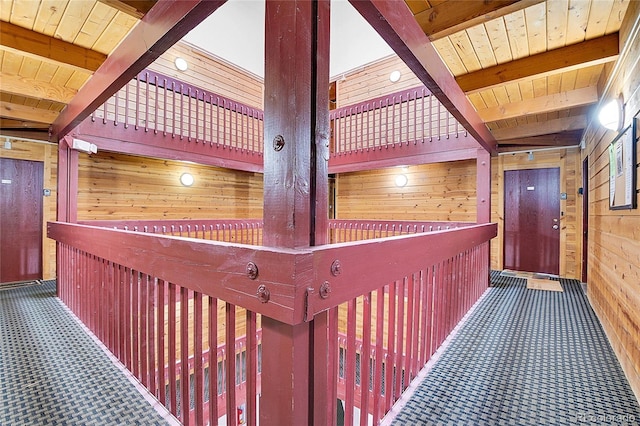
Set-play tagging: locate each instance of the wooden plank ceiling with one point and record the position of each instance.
(532, 69)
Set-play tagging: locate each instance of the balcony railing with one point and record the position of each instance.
(163, 304)
(168, 114)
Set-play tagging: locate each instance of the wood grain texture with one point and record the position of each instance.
(47, 153)
(613, 249)
(116, 186)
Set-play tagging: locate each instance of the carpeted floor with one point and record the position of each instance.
(526, 357)
(53, 373)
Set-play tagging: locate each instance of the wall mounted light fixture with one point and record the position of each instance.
(186, 179)
(611, 115)
(181, 64)
(401, 180)
(394, 77)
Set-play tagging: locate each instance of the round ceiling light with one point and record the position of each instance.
(181, 64)
(401, 180)
(394, 77)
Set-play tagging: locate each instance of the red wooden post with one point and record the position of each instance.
(483, 190)
(296, 138)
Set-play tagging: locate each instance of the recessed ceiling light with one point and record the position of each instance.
(186, 179)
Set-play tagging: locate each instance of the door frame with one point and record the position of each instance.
(542, 160)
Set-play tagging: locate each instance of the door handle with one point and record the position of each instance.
(555, 227)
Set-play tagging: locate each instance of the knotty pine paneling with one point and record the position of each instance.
(437, 192)
(568, 160)
(372, 80)
(117, 186)
(613, 265)
(211, 74)
(48, 154)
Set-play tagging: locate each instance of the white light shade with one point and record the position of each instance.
(610, 115)
(181, 64)
(401, 180)
(394, 77)
(186, 179)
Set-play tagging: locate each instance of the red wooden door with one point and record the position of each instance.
(20, 220)
(532, 220)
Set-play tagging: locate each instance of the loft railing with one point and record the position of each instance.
(412, 116)
(159, 303)
(187, 117)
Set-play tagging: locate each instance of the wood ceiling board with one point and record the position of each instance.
(568, 81)
(536, 21)
(497, 33)
(165, 24)
(482, 46)
(49, 15)
(449, 56)
(94, 26)
(73, 19)
(30, 43)
(11, 61)
(578, 17)
(578, 97)
(29, 67)
(23, 13)
(568, 58)
(465, 51)
(26, 113)
(540, 128)
(517, 34)
(454, 16)
(599, 14)
(19, 124)
(116, 31)
(36, 89)
(417, 6)
(557, 17)
(618, 12)
(570, 138)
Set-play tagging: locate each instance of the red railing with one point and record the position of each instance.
(159, 303)
(412, 116)
(158, 104)
(356, 230)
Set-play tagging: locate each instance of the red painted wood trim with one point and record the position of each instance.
(161, 392)
(395, 98)
(165, 24)
(397, 26)
(213, 360)
(252, 369)
(172, 345)
(402, 154)
(185, 398)
(197, 359)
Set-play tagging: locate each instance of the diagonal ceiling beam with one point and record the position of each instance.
(591, 52)
(22, 41)
(452, 16)
(396, 25)
(165, 24)
(541, 104)
(24, 86)
(557, 125)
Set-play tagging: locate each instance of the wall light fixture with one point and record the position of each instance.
(186, 179)
(401, 180)
(611, 115)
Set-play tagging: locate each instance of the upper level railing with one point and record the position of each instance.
(160, 111)
(163, 302)
(157, 104)
(413, 116)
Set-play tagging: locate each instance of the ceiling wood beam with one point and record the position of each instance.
(571, 138)
(396, 25)
(24, 86)
(588, 53)
(41, 135)
(27, 113)
(541, 128)
(541, 104)
(165, 24)
(19, 124)
(135, 8)
(453, 16)
(40, 46)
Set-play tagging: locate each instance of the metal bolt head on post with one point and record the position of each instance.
(278, 143)
(263, 293)
(252, 271)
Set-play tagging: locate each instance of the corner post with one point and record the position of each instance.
(295, 198)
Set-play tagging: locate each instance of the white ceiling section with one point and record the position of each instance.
(235, 32)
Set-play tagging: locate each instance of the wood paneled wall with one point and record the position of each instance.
(48, 154)
(614, 235)
(212, 74)
(568, 160)
(372, 80)
(117, 186)
(437, 192)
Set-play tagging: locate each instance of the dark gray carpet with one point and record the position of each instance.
(53, 373)
(526, 357)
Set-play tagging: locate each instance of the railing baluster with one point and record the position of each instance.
(173, 366)
(185, 399)
(230, 362)
(213, 360)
